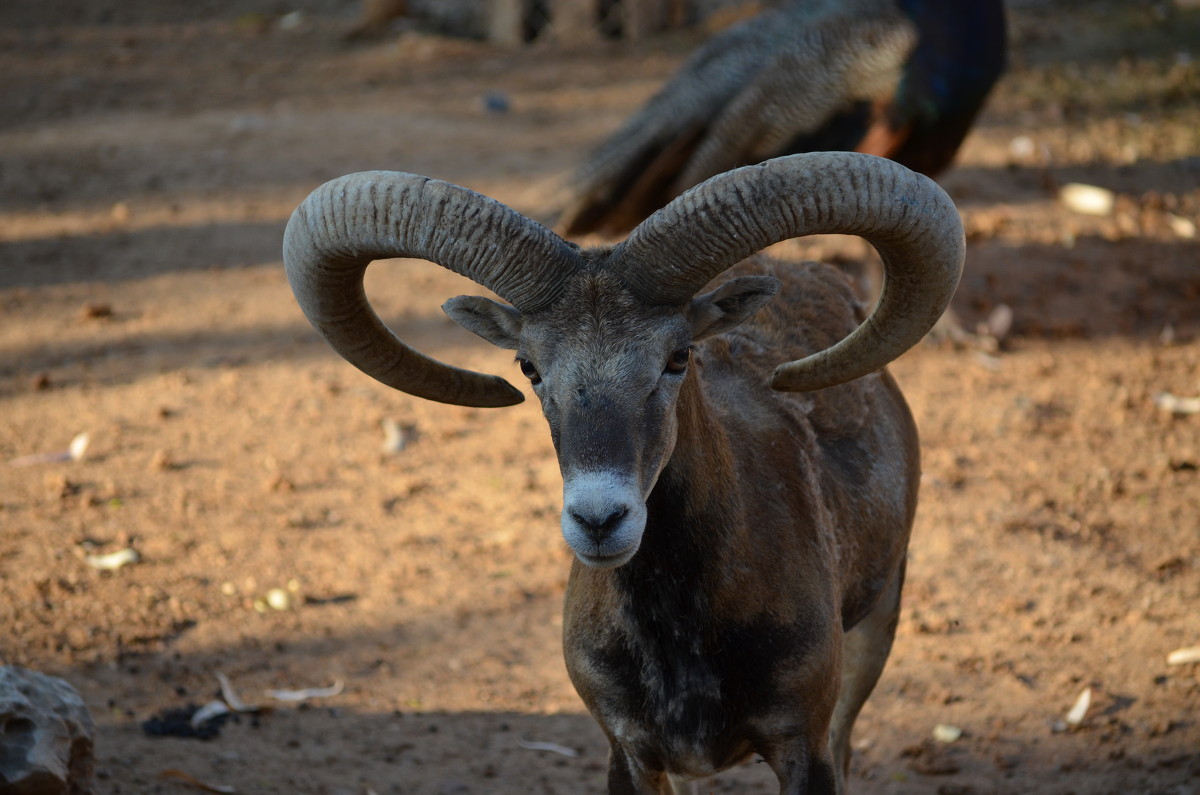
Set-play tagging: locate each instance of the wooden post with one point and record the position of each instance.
(506, 22)
(642, 18)
(573, 20)
(576, 21)
(638, 18)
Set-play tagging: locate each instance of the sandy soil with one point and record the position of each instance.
(150, 154)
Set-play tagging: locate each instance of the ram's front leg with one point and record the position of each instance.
(795, 735)
(805, 770)
(628, 776)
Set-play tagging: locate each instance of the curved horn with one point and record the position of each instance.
(346, 223)
(906, 216)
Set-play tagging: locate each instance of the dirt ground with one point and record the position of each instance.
(150, 154)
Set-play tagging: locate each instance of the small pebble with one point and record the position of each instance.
(496, 102)
(91, 311)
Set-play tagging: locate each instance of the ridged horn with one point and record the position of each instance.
(346, 223)
(904, 215)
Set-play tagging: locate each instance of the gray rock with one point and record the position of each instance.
(46, 736)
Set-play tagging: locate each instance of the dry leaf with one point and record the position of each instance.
(1183, 656)
(1087, 199)
(75, 452)
(307, 693)
(553, 748)
(1182, 227)
(1000, 321)
(213, 709)
(1079, 711)
(113, 560)
(231, 698)
(1177, 405)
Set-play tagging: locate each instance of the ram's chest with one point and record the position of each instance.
(686, 696)
(671, 710)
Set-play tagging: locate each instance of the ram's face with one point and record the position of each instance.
(608, 369)
(608, 372)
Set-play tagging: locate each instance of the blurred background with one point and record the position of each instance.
(192, 483)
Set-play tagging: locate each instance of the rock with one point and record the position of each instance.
(47, 736)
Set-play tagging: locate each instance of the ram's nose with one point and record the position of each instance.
(603, 518)
(600, 526)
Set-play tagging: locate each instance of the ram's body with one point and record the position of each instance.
(739, 525)
(776, 525)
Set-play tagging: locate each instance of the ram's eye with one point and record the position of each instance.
(679, 361)
(530, 371)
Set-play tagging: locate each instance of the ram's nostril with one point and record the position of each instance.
(598, 527)
(616, 517)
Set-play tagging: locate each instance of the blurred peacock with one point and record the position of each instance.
(903, 79)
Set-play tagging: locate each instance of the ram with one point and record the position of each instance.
(739, 474)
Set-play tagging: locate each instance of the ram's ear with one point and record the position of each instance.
(499, 324)
(730, 304)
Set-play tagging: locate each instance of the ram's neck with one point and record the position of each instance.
(695, 507)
